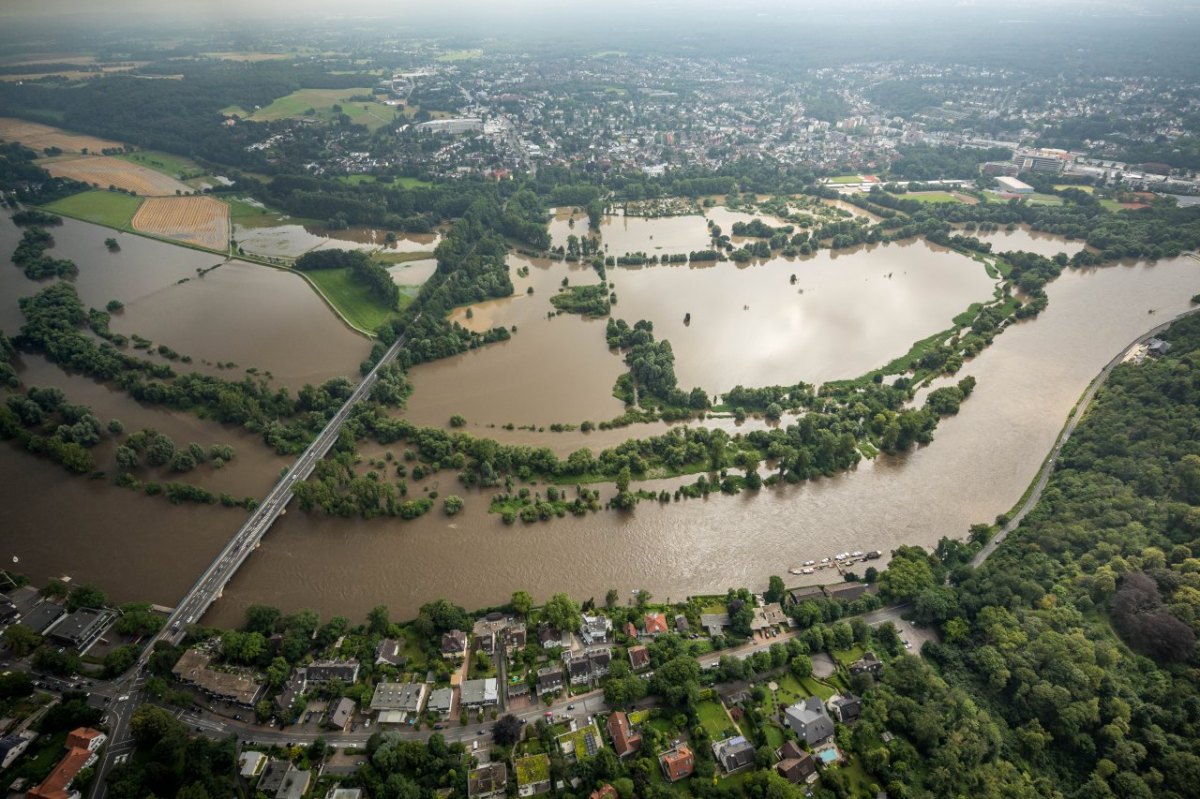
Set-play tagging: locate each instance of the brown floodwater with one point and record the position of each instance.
(981, 462)
(291, 240)
(847, 313)
(979, 465)
(1022, 238)
(254, 316)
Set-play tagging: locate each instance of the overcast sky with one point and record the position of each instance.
(448, 9)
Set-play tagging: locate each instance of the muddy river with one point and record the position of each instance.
(982, 460)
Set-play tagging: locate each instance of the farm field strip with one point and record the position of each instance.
(113, 171)
(202, 221)
(37, 137)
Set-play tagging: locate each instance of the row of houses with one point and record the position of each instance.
(78, 629)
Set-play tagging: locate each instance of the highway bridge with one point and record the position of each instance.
(207, 589)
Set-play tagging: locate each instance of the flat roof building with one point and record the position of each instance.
(1013, 186)
(405, 697)
(81, 628)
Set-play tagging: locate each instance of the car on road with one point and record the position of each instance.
(123, 698)
(570, 707)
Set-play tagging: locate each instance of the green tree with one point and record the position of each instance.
(86, 596)
(21, 640)
(521, 603)
(775, 589)
(562, 613)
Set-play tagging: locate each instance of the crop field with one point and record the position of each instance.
(113, 171)
(202, 221)
(108, 208)
(38, 137)
(320, 102)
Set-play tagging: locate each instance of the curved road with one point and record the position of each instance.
(1077, 414)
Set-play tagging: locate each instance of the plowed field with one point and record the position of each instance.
(107, 171)
(203, 221)
(37, 137)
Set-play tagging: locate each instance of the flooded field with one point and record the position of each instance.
(292, 240)
(847, 313)
(1028, 380)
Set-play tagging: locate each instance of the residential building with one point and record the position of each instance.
(579, 671)
(292, 690)
(655, 624)
(454, 645)
(487, 781)
(796, 765)
(533, 774)
(550, 638)
(639, 657)
(390, 652)
(809, 720)
(595, 629)
(1042, 160)
(250, 764)
(580, 742)
(605, 791)
(811, 592)
(344, 793)
(42, 617)
(549, 680)
(681, 624)
(399, 700)
(734, 754)
(475, 694)
(867, 664)
(228, 686)
(340, 713)
(714, 623)
(846, 708)
(630, 630)
(323, 671)
(677, 763)
(81, 745)
(497, 632)
(272, 778)
(848, 592)
(295, 784)
(8, 611)
(601, 662)
(625, 738)
(768, 615)
(441, 702)
(13, 746)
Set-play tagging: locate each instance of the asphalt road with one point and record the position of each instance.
(1043, 477)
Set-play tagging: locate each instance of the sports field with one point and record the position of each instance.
(108, 171)
(202, 221)
(932, 197)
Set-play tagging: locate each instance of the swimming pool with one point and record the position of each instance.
(828, 756)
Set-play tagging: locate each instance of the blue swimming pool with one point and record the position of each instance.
(828, 756)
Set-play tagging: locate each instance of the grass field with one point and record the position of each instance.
(403, 182)
(1084, 189)
(354, 300)
(714, 719)
(321, 101)
(174, 165)
(932, 197)
(846, 179)
(391, 257)
(248, 214)
(1037, 198)
(108, 208)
